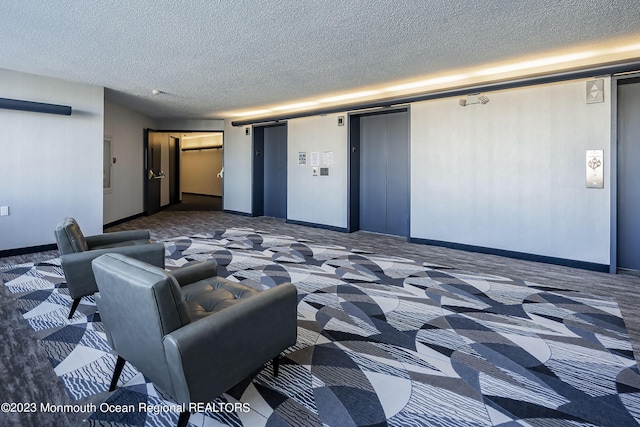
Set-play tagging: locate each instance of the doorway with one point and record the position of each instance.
(270, 171)
(628, 175)
(153, 173)
(183, 170)
(379, 172)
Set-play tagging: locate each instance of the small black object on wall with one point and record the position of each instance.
(35, 107)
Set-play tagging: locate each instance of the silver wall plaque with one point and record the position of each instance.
(595, 91)
(595, 168)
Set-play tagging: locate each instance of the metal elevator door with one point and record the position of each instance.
(384, 173)
(629, 175)
(275, 171)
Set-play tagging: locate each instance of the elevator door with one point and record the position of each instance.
(384, 173)
(629, 174)
(275, 171)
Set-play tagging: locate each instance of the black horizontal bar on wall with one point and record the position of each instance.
(580, 73)
(34, 107)
(202, 148)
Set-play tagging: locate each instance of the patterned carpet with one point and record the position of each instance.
(382, 340)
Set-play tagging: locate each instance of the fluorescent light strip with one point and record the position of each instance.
(252, 113)
(298, 106)
(427, 82)
(201, 135)
(349, 96)
(512, 70)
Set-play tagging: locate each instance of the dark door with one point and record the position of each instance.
(153, 174)
(384, 173)
(275, 171)
(628, 253)
(257, 194)
(174, 170)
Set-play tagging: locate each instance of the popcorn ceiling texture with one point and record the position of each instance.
(209, 57)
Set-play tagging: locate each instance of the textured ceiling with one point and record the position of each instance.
(212, 57)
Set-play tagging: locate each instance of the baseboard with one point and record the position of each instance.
(314, 225)
(123, 220)
(237, 213)
(28, 250)
(584, 265)
(53, 246)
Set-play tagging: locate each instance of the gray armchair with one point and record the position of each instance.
(77, 251)
(191, 333)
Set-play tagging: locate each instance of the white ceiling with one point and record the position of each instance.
(213, 57)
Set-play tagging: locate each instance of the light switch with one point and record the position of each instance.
(4, 210)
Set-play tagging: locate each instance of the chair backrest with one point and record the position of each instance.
(139, 304)
(69, 237)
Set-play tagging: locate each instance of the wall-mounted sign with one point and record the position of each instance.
(595, 168)
(595, 91)
(327, 158)
(302, 158)
(315, 158)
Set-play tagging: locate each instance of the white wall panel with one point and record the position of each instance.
(125, 127)
(237, 169)
(51, 165)
(317, 199)
(510, 174)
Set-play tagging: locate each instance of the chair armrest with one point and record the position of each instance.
(211, 355)
(79, 274)
(195, 272)
(117, 236)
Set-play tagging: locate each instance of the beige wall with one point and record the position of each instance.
(199, 168)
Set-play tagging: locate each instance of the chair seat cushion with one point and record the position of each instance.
(213, 294)
(125, 243)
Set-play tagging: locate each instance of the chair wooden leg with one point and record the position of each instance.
(183, 420)
(116, 373)
(276, 365)
(76, 303)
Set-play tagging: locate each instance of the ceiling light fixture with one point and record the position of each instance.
(156, 92)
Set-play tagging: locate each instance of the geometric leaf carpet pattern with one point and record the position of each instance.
(382, 341)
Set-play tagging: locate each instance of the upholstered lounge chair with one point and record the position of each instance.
(191, 333)
(77, 251)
